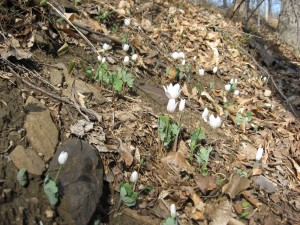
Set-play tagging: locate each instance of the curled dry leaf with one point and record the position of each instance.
(219, 212)
(178, 162)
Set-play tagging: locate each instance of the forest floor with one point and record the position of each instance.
(210, 174)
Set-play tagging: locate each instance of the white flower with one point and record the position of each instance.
(201, 72)
(194, 58)
(215, 69)
(62, 158)
(183, 62)
(259, 153)
(181, 55)
(127, 21)
(106, 46)
(103, 60)
(126, 59)
(227, 87)
(215, 122)
(99, 58)
(205, 114)
(171, 91)
(233, 81)
(236, 92)
(134, 57)
(171, 105)
(175, 55)
(173, 210)
(134, 177)
(125, 47)
(181, 105)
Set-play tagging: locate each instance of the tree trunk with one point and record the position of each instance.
(225, 5)
(289, 22)
(266, 10)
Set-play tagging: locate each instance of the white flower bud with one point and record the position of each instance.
(227, 87)
(99, 58)
(259, 153)
(183, 62)
(215, 122)
(194, 58)
(236, 92)
(205, 114)
(103, 60)
(175, 55)
(201, 72)
(134, 177)
(215, 69)
(62, 158)
(127, 22)
(126, 60)
(181, 105)
(181, 55)
(173, 210)
(125, 47)
(134, 57)
(106, 46)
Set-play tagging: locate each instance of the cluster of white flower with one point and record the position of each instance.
(232, 82)
(214, 122)
(173, 92)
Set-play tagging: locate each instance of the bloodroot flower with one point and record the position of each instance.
(171, 91)
(215, 122)
(62, 158)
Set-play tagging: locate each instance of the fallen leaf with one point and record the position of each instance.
(125, 153)
(220, 212)
(235, 185)
(178, 160)
(205, 183)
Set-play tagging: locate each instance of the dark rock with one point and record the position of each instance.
(80, 181)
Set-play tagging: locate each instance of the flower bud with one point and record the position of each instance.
(106, 46)
(236, 92)
(201, 72)
(215, 69)
(103, 60)
(182, 105)
(173, 210)
(227, 87)
(259, 153)
(62, 158)
(171, 105)
(127, 22)
(175, 55)
(125, 47)
(126, 60)
(134, 57)
(99, 58)
(134, 177)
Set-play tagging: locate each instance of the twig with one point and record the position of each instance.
(93, 115)
(266, 72)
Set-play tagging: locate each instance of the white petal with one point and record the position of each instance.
(205, 114)
(134, 177)
(134, 57)
(173, 210)
(201, 72)
(182, 105)
(259, 153)
(171, 105)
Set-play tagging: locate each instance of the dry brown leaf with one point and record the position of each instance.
(296, 166)
(220, 212)
(205, 94)
(125, 153)
(205, 183)
(250, 198)
(235, 185)
(178, 160)
(184, 90)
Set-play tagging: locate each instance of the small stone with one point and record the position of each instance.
(41, 131)
(27, 159)
(80, 181)
(56, 77)
(265, 183)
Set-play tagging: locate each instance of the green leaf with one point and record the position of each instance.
(203, 154)
(169, 221)
(22, 177)
(198, 87)
(244, 214)
(196, 135)
(51, 190)
(248, 117)
(245, 204)
(117, 84)
(127, 195)
(239, 118)
(43, 2)
(88, 71)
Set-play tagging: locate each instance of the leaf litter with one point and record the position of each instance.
(128, 136)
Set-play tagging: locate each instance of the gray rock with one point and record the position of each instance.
(56, 77)
(265, 183)
(41, 131)
(27, 159)
(80, 181)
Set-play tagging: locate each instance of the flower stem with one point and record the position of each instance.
(57, 174)
(176, 139)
